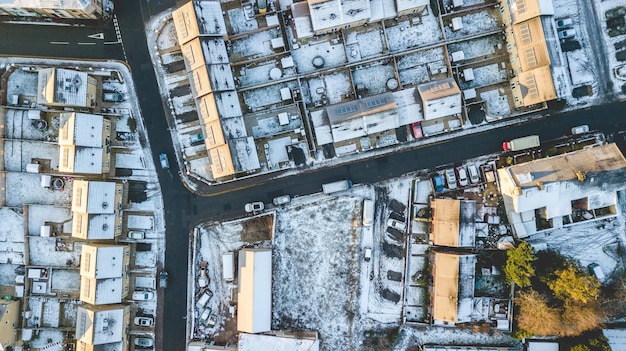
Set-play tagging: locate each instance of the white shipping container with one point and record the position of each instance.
(368, 212)
(228, 266)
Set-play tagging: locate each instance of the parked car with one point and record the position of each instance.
(165, 163)
(473, 174)
(395, 224)
(112, 96)
(147, 342)
(163, 279)
(136, 234)
(438, 183)
(567, 33)
(281, 200)
(143, 296)
(144, 321)
(462, 173)
(417, 130)
(253, 207)
(451, 179)
(367, 254)
(564, 23)
(582, 129)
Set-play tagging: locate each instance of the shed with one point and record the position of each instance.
(457, 56)
(468, 74)
(285, 94)
(457, 24)
(469, 94)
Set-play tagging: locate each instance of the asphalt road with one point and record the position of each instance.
(184, 208)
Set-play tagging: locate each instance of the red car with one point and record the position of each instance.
(417, 130)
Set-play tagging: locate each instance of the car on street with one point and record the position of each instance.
(395, 224)
(462, 173)
(147, 342)
(136, 234)
(451, 179)
(163, 279)
(144, 321)
(142, 295)
(367, 254)
(165, 163)
(254, 207)
(281, 200)
(582, 129)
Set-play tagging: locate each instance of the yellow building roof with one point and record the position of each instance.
(186, 23)
(446, 291)
(531, 45)
(192, 53)
(221, 161)
(213, 135)
(207, 109)
(535, 86)
(201, 83)
(522, 10)
(438, 89)
(446, 222)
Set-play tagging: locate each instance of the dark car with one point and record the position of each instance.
(163, 279)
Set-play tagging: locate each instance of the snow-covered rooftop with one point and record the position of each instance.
(454, 222)
(52, 4)
(326, 14)
(63, 86)
(453, 287)
(254, 342)
(86, 129)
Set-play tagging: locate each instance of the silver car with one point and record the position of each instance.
(451, 179)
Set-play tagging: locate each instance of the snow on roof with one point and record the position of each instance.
(359, 108)
(302, 19)
(323, 133)
(405, 5)
(254, 295)
(62, 86)
(327, 14)
(109, 261)
(81, 129)
(210, 18)
(97, 327)
(543, 346)
(522, 10)
(107, 291)
(253, 342)
(409, 109)
(453, 287)
(228, 104)
(381, 9)
(221, 77)
(85, 159)
(454, 222)
(51, 4)
(467, 348)
(94, 197)
(214, 50)
(243, 151)
(616, 337)
(440, 98)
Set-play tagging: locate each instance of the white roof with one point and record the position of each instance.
(51, 4)
(108, 325)
(88, 130)
(210, 18)
(109, 262)
(332, 13)
(88, 160)
(101, 227)
(442, 107)
(323, 134)
(616, 337)
(254, 342)
(214, 50)
(409, 109)
(404, 5)
(382, 9)
(109, 291)
(221, 77)
(543, 346)
(243, 159)
(101, 197)
(70, 87)
(255, 291)
(228, 104)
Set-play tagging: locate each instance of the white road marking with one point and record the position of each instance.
(86, 43)
(59, 42)
(96, 36)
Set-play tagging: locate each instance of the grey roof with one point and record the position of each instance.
(332, 13)
(214, 50)
(245, 157)
(210, 18)
(221, 77)
(467, 223)
(88, 160)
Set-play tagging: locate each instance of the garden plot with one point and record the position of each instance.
(497, 103)
(364, 45)
(333, 55)
(473, 23)
(317, 268)
(255, 45)
(412, 33)
(413, 68)
(374, 78)
(257, 99)
(478, 47)
(485, 76)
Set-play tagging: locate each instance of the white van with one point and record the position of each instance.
(228, 266)
(368, 212)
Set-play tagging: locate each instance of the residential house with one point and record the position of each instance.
(9, 322)
(554, 192)
(332, 15)
(454, 222)
(440, 99)
(199, 18)
(254, 292)
(72, 9)
(103, 273)
(61, 87)
(102, 327)
(84, 143)
(97, 209)
(539, 74)
(453, 287)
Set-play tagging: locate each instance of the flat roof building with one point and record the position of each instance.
(254, 294)
(104, 273)
(84, 141)
(453, 287)
(102, 327)
(61, 87)
(454, 222)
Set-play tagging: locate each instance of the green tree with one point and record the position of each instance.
(519, 268)
(580, 348)
(571, 283)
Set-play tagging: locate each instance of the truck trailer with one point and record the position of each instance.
(334, 187)
(527, 142)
